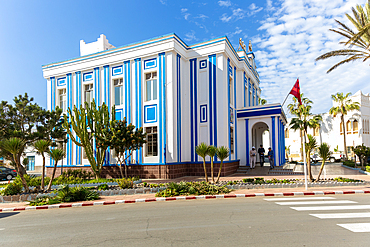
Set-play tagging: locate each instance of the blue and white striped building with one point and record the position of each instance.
(181, 95)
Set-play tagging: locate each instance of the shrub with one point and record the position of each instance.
(192, 188)
(125, 183)
(103, 187)
(349, 163)
(44, 200)
(340, 179)
(368, 168)
(67, 194)
(259, 181)
(248, 180)
(12, 189)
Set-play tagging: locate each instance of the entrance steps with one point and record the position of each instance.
(280, 170)
(243, 170)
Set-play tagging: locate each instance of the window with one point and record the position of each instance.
(231, 91)
(89, 93)
(355, 127)
(151, 86)
(31, 163)
(250, 98)
(231, 140)
(152, 141)
(316, 131)
(341, 128)
(286, 133)
(63, 99)
(118, 91)
(348, 127)
(246, 96)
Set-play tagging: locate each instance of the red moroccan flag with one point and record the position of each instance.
(296, 92)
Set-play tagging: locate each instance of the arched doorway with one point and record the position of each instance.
(260, 135)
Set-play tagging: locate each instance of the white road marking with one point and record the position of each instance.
(1, 229)
(318, 208)
(314, 202)
(300, 198)
(356, 227)
(342, 215)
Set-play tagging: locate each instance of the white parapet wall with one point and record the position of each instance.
(101, 44)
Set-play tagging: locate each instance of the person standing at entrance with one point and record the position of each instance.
(270, 154)
(261, 152)
(253, 158)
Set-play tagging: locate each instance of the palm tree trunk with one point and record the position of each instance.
(301, 132)
(321, 168)
(43, 173)
(213, 178)
(205, 169)
(52, 176)
(344, 138)
(20, 173)
(219, 171)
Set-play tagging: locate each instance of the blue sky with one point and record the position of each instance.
(287, 36)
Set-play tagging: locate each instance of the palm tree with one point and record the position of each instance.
(304, 118)
(310, 145)
(360, 39)
(287, 152)
(14, 146)
(202, 151)
(324, 152)
(345, 104)
(42, 146)
(212, 150)
(55, 154)
(262, 101)
(222, 153)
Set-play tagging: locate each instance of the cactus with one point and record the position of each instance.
(87, 123)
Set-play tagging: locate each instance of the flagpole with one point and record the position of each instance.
(304, 164)
(288, 94)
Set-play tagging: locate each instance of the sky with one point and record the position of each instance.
(286, 35)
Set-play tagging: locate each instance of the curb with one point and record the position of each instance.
(162, 199)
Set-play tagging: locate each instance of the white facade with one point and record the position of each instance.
(357, 129)
(206, 92)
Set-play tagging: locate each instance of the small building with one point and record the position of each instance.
(357, 125)
(181, 95)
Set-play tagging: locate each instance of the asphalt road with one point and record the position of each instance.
(218, 222)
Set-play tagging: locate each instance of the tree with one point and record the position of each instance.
(212, 150)
(324, 152)
(344, 105)
(29, 122)
(202, 151)
(304, 118)
(222, 153)
(360, 39)
(15, 147)
(91, 124)
(362, 152)
(42, 146)
(124, 139)
(287, 152)
(310, 145)
(262, 101)
(57, 155)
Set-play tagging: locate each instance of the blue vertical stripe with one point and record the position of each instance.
(69, 105)
(52, 103)
(97, 86)
(210, 101)
(247, 140)
(214, 103)
(235, 123)
(193, 109)
(228, 105)
(195, 103)
(273, 130)
(138, 102)
(127, 81)
(178, 76)
(78, 104)
(107, 101)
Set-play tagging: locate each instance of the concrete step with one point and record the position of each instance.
(285, 173)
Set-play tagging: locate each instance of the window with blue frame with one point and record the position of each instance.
(151, 86)
(31, 163)
(118, 91)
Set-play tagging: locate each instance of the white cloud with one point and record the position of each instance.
(201, 16)
(185, 13)
(163, 2)
(290, 41)
(236, 15)
(254, 9)
(190, 36)
(226, 3)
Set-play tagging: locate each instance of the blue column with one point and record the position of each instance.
(138, 103)
(193, 109)
(107, 101)
(52, 104)
(247, 140)
(228, 106)
(162, 108)
(97, 85)
(273, 131)
(69, 105)
(127, 91)
(78, 104)
(235, 123)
